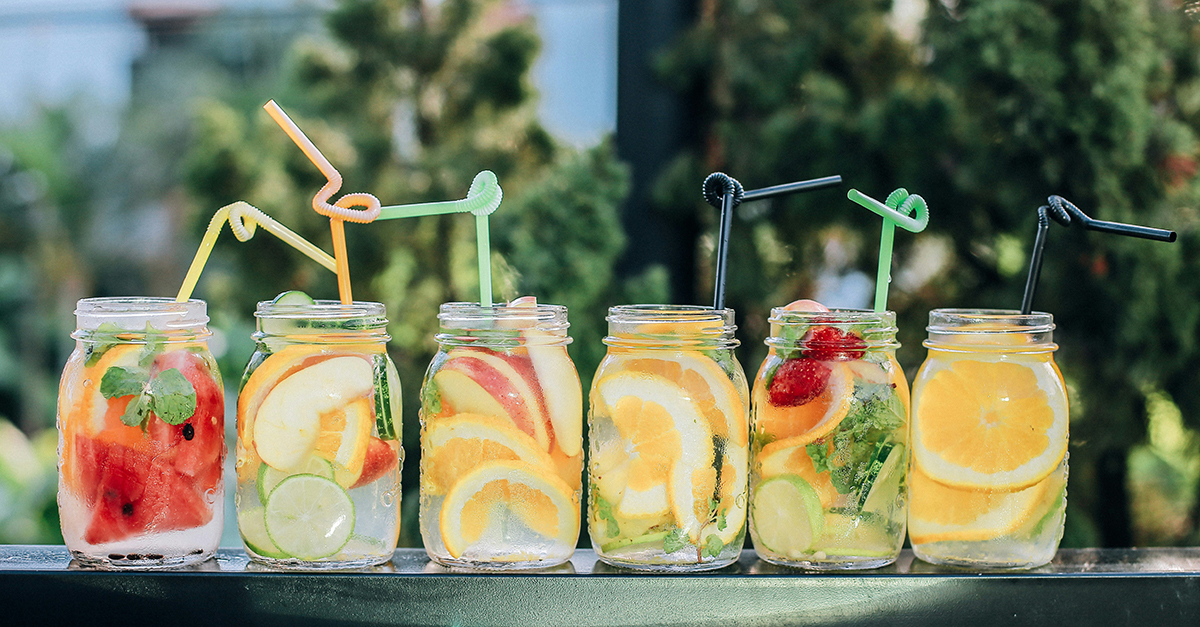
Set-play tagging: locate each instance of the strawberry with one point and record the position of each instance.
(797, 382)
(832, 344)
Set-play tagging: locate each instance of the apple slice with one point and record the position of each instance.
(559, 384)
(482, 382)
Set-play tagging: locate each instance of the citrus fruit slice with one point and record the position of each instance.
(309, 517)
(790, 457)
(457, 445)
(472, 509)
(252, 524)
(299, 412)
(812, 420)
(269, 477)
(787, 515)
(940, 513)
(731, 504)
(275, 368)
(706, 383)
(344, 437)
(667, 432)
(990, 425)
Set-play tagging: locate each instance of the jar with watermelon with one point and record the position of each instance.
(318, 427)
(829, 457)
(141, 423)
(501, 438)
(668, 438)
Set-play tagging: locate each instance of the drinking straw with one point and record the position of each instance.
(483, 198)
(243, 220)
(895, 212)
(725, 193)
(1062, 211)
(340, 210)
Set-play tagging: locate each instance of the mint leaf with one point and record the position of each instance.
(174, 398)
(118, 382)
(676, 539)
(712, 545)
(153, 346)
(722, 523)
(604, 512)
(136, 411)
(104, 338)
(818, 452)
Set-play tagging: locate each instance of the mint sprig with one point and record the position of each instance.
(676, 539)
(604, 512)
(168, 395)
(859, 439)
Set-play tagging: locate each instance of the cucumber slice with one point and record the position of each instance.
(252, 524)
(883, 481)
(309, 517)
(787, 515)
(388, 408)
(269, 477)
(293, 297)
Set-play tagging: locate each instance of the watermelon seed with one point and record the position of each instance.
(115, 556)
(127, 510)
(189, 432)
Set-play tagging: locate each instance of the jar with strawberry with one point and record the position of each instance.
(141, 424)
(829, 454)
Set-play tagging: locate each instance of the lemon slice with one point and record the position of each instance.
(664, 428)
(454, 446)
(787, 515)
(309, 517)
(990, 425)
(812, 420)
(790, 457)
(252, 525)
(940, 513)
(289, 424)
(542, 501)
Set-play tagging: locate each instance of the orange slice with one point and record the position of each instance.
(472, 512)
(790, 457)
(991, 425)
(344, 437)
(707, 385)
(941, 513)
(457, 445)
(812, 420)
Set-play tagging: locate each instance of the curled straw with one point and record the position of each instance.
(340, 210)
(725, 193)
(1066, 213)
(895, 211)
(243, 220)
(482, 199)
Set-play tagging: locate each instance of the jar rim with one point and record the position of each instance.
(501, 311)
(134, 313)
(668, 313)
(780, 315)
(322, 309)
(673, 326)
(988, 321)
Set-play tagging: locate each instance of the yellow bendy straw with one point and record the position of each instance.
(243, 220)
(340, 210)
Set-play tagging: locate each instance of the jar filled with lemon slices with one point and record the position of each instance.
(669, 441)
(501, 438)
(318, 426)
(989, 436)
(829, 454)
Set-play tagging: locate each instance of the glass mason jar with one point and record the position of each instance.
(668, 434)
(141, 424)
(989, 478)
(830, 454)
(501, 439)
(318, 428)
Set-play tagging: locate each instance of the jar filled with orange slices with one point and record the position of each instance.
(141, 424)
(318, 426)
(668, 440)
(501, 439)
(988, 485)
(829, 429)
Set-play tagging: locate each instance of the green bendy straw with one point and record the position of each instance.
(482, 199)
(895, 211)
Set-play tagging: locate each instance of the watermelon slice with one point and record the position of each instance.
(196, 447)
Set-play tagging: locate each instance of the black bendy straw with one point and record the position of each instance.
(725, 193)
(1066, 213)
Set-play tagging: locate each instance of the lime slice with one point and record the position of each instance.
(884, 479)
(293, 297)
(387, 398)
(309, 517)
(269, 477)
(253, 526)
(787, 515)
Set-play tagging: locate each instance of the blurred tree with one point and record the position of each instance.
(1002, 103)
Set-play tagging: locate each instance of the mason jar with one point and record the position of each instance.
(141, 424)
(668, 437)
(501, 439)
(829, 455)
(318, 437)
(989, 478)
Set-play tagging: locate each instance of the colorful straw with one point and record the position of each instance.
(483, 198)
(340, 210)
(1062, 211)
(725, 193)
(895, 211)
(243, 220)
